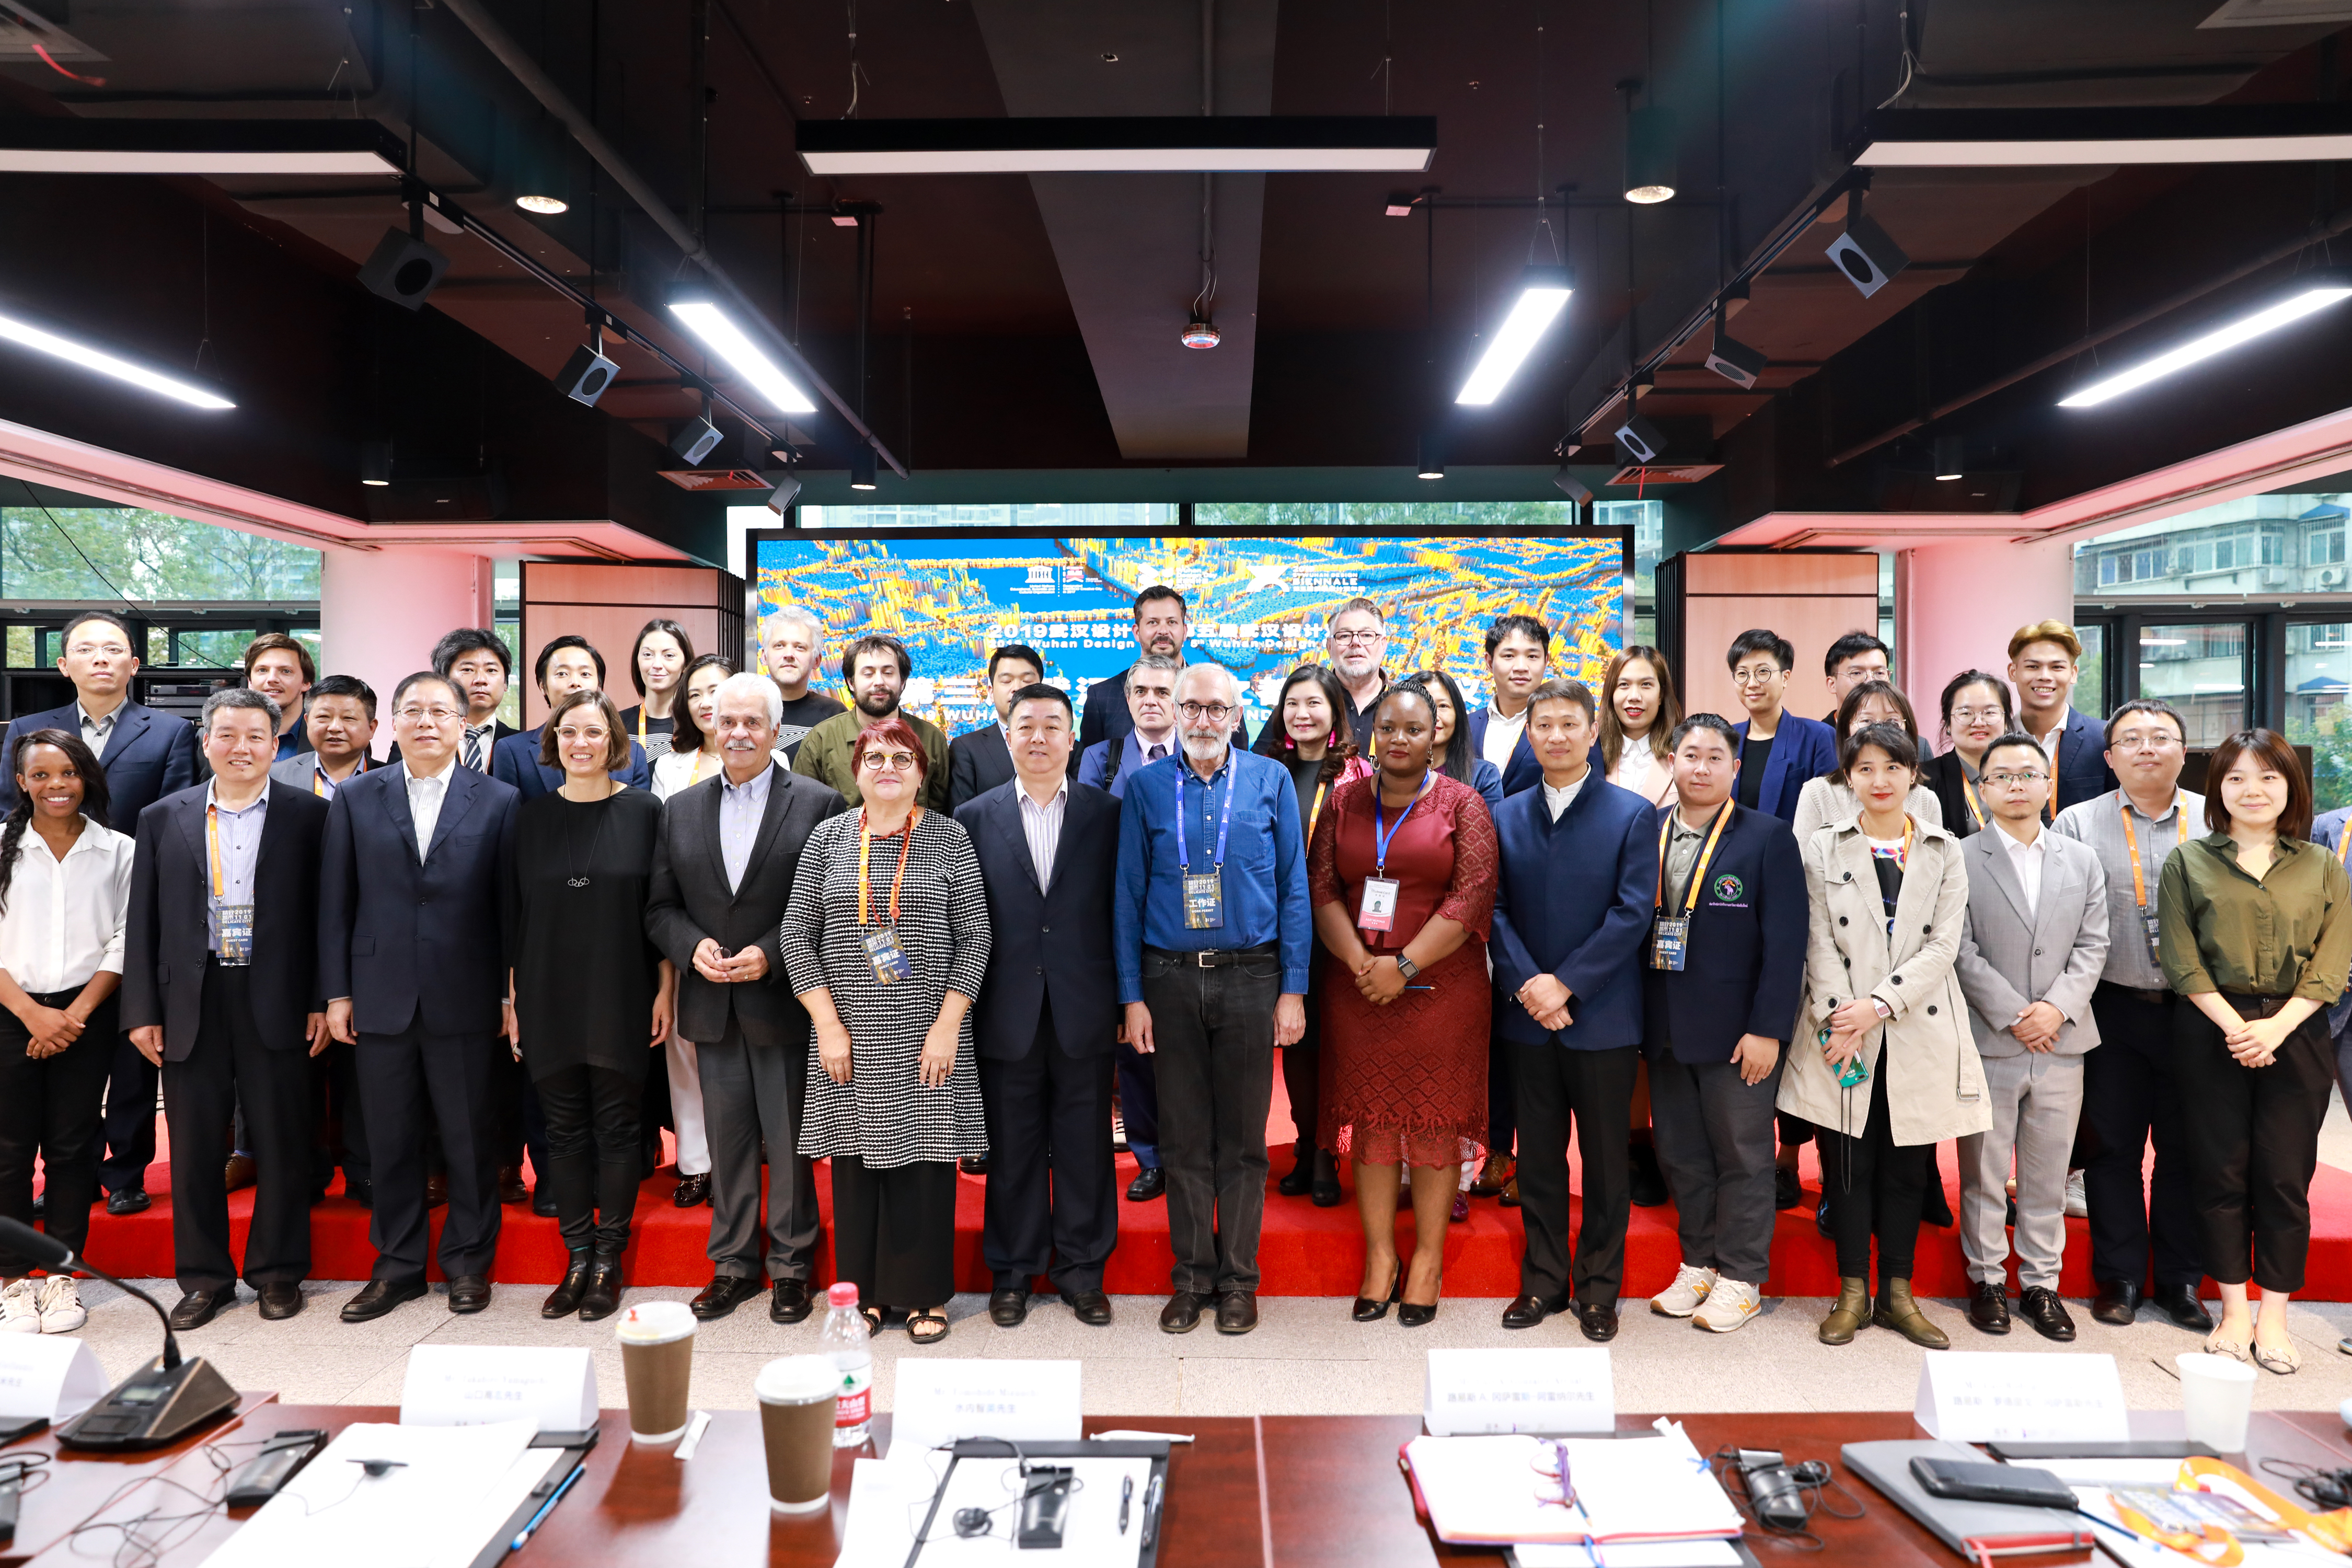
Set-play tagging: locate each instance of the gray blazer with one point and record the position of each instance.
(2009, 961)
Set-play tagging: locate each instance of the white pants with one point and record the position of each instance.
(686, 1106)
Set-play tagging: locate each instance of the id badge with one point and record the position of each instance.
(235, 934)
(1204, 901)
(2148, 923)
(889, 959)
(1670, 942)
(1378, 912)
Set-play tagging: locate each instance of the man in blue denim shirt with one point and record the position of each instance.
(1212, 939)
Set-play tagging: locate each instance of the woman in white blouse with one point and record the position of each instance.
(693, 755)
(1829, 799)
(65, 888)
(1638, 711)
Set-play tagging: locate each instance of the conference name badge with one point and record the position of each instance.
(1670, 944)
(1378, 912)
(1204, 901)
(235, 934)
(890, 959)
(2147, 924)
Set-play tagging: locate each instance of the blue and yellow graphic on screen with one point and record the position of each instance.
(1258, 604)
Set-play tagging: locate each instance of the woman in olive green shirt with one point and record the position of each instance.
(2254, 934)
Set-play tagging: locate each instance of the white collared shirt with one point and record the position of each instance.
(1042, 826)
(1560, 799)
(1503, 736)
(2026, 859)
(426, 797)
(64, 919)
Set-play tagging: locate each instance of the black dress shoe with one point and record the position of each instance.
(2180, 1303)
(1527, 1311)
(511, 1187)
(280, 1300)
(2117, 1302)
(722, 1294)
(1647, 1183)
(1182, 1313)
(130, 1200)
(974, 1164)
(691, 1190)
(1091, 1308)
(1301, 1174)
(1150, 1183)
(1989, 1307)
(1787, 1193)
(602, 1297)
(1324, 1190)
(1372, 1310)
(789, 1302)
(1935, 1206)
(564, 1299)
(2040, 1305)
(1008, 1308)
(1598, 1319)
(469, 1293)
(360, 1193)
(542, 1201)
(1238, 1312)
(1822, 1215)
(378, 1297)
(197, 1308)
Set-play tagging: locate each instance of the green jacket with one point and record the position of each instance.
(824, 755)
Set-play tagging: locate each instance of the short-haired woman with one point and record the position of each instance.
(658, 662)
(2252, 931)
(1831, 798)
(591, 994)
(1891, 1069)
(1638, 711)
(1976, 711)
(885, 941)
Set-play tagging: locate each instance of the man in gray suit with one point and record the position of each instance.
(723, 867)
(2029, 957)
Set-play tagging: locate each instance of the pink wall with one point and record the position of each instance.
(379, 613)
(1957, 602)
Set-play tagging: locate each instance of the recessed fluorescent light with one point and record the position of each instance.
(2314, 291)
(745, 358)
(1543, 294)
(17, 331)
(281, 147)
(2020, 138)
(1125, 143)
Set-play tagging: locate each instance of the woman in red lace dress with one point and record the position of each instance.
(1402, 873)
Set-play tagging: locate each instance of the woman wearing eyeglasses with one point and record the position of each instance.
(1831, 798)
(1976, 711)
(885, 941)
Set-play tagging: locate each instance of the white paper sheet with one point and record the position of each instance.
(887, 1500)
(1631, 1554)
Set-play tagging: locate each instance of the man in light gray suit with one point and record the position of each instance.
(2029, 957)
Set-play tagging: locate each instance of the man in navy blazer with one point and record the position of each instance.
(1046, 1017)
(147, 755)
(1579, 872)
(1161, 624)
(2045, 659)
(566, 665)
(1519, 660)
(412, 961)
(1715, 1026)
(1780, 751)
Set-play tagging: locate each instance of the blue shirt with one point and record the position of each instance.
(1264, 872)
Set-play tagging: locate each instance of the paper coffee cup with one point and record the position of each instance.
(658, 1364)
(797, 1396)
(2217, 1400)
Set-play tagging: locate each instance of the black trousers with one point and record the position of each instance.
(50, 1109)
(1051, 1206)
(409, 1083)
(230, 1064)
(523, 1121)
(129, 1120)
(1139, 1105)
(894, 1231)
(338, 1128)
(2130, 1095)
(1302, 1077)
(2253, 1142)
(1554, 1084)
(1874, 1187)
(1213, 1037)
(1502, 1098)
(593, 1159)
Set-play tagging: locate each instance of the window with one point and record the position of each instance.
(2318, 680)
(2325, 548)
(110, 553)
(2200, 671)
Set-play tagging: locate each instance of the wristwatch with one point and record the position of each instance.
(1407, 967)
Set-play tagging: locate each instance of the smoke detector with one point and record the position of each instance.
(1202, 335)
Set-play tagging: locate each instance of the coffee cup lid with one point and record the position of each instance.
(790, 1380)
(654, 1322)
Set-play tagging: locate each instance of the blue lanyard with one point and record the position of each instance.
(1382, 834)
(1225, 824)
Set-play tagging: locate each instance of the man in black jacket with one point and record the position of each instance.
(1046, 1017)
(980, 761)
(220, 989)
(723, 867)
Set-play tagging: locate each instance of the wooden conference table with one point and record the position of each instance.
(1274, 1490)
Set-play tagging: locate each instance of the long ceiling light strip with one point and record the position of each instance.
(718, 331)
(2315, 293)
(1543, 295)
(2031, 138)
(1138, 144)
(280, 147)
(18, 331)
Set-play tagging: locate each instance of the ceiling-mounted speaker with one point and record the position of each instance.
(402, 270)
(1735, 360)
(585, 375)
(695, 439)
(1571, 486)
(1641, 440)
(787, 491)
(1866, 254)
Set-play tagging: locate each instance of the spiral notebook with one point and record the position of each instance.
(1485, 1490)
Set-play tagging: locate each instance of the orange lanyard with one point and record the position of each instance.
(1315, 812)
(1705, 854)
(865, 848)
(1903, 855)
(1969, 795)
(212, 845)
(2139, 883)
(318, 781)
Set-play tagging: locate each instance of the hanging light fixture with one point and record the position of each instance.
(534, 166)
(861, 469)
(1652, 139)
(1431, 464)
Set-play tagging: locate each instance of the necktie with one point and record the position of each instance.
(1157, 753)
(473, 757)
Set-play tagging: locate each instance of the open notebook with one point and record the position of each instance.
(1486, 1490)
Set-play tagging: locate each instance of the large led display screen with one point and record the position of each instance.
(1260, 601)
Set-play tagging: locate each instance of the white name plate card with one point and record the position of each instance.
(1987, 1396)
(1482, 1391)
(53, 1377)
(939, 1402)
(472, 1386)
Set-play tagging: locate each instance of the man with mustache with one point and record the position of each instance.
(875, 668)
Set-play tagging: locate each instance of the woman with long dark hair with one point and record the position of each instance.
(1461, 764)
(65, 890)
(692, 758)
(693, 754)
(1638, 711)
(657, 664)
(1976, 711)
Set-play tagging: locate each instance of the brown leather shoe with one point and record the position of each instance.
(436, 1190)
(1509, 1196)
(1238, 1312)
(1498, 1170)
(511, 1187)
(1182, 1313)
(239, 1171)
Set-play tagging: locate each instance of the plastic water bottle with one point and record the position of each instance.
(845, 1339)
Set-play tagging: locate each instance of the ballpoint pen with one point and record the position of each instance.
(577, 1471)
(1126, 1496)
(1151, 1512)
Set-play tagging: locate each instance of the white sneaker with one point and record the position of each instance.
(61, 1308)
(1731, 1303)
(1682, 1297)
(20, 1308)
(2078, 1202)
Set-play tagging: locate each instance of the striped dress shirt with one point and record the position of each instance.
(1042, 826)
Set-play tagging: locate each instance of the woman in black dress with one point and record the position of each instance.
(592, 999)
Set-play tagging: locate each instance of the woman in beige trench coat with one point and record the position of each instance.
(1889, 895)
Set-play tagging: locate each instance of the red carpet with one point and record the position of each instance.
(1305, 1251)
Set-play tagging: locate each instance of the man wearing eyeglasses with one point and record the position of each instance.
(2030, 955)
(1780, 751)
(2129, 1095)
(1356, 644)
(1212, 940)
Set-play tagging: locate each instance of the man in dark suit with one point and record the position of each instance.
(1580, 874)
(412, 961)
(1780, 753)
(566, 665)
(1519, 660)
(981, 759)
(723, 867)
(477, 661)
(1048, 852)
(220, 989)
(1161, 625)
(146, 755)
(1726, 965)
(2045, 659)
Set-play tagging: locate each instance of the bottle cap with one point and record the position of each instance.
(844, 1294)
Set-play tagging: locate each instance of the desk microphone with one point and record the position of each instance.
(155, 1406)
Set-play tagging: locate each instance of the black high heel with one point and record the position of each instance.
(1366, 1311)
(1412, 1314)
